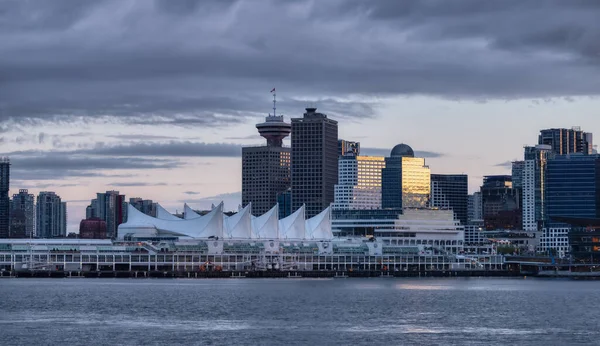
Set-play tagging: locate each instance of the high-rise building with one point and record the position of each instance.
(146, 206)
(266, 169)
(314, 161)
(533, 195)
(92, 209)
(25, 201)
(451, 191)
(4, 198)
(51, 216)
(359, 182)
(405, 180)
(475, 207)
(284, 199)
(348, 147)
(573, 186)
(567, 141)
(109, 207)
(500, 203)
(18, 227)
(517, 168)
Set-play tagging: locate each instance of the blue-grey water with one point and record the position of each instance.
(299, 312)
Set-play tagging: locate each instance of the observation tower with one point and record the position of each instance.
(274, 129)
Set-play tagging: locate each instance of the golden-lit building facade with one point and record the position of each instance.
(405, 180)
(359, 182)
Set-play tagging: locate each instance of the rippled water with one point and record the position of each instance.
(299, 312)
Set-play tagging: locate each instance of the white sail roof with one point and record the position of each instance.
(162, 213)
(293, 226)
(319, 226)
(239, 225)
(141, 224)
(266, 225)
(189, 213)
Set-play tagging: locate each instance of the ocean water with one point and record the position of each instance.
(475, 311)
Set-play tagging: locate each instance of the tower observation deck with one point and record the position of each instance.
(274, 129)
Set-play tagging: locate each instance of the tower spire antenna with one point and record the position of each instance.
(274, 102)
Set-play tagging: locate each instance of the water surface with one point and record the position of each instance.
(299, 311)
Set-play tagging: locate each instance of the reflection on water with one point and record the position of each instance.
(289, 312)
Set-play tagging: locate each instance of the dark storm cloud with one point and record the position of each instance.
(210, 63)
(51, 165)
(170, 149)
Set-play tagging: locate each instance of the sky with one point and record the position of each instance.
(156, 98)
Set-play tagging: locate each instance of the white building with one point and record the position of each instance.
(359, 182)
(431, 227)
(555, 238)
(534, 189)
(475, 207)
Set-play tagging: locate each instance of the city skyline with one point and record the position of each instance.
(76, 120)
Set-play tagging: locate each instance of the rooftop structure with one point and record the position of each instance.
(216, 224)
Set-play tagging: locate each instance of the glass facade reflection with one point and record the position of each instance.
(572, 186)
(359, 182)
(405, 180)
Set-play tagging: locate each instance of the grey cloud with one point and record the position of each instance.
(125, 183)
(191, 193)
(386, 152)
(212, 63)
(505, 164)
(170, 149)
(53, 165)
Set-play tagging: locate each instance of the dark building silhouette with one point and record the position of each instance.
(314, 161)
(18, 224)
(451, 191)
(500, 203)
(266, 169)
(4, 198)
(25, 201)
(93, 228)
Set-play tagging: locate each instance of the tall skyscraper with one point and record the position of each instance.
(533, 195)
(359, 182)
(4, 198)
(25, 202)
(314, 161)
(475, 207)
(451, 191)
(51, 216)
(500, 203)
(573, 186)
(567, 141)
(266, 169)
(110, 209)
(405, 180)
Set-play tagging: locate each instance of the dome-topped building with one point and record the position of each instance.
(405, 180)
(402, 150)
